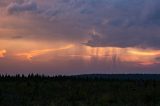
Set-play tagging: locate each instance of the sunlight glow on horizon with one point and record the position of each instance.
(31, 54)
(48, 51)
(145, 53)
(2, 53)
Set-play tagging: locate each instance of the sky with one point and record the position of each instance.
(71, 37)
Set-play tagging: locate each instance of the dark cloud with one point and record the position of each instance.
(158, 59)
(121, 23)
(130, 24)
(124, 38)
(21, 7)
(17, 37)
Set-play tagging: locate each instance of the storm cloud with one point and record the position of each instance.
(120, 23)
(21, 7)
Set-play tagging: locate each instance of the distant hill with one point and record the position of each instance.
(120, 76)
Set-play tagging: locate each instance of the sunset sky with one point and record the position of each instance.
(79, 36)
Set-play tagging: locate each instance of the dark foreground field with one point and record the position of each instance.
(78, 91)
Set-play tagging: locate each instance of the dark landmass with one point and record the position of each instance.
(120, 76)
(80, 90)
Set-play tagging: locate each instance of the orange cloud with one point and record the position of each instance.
(140, 56)
(34, 53)
(2, 53)
(144, 52)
